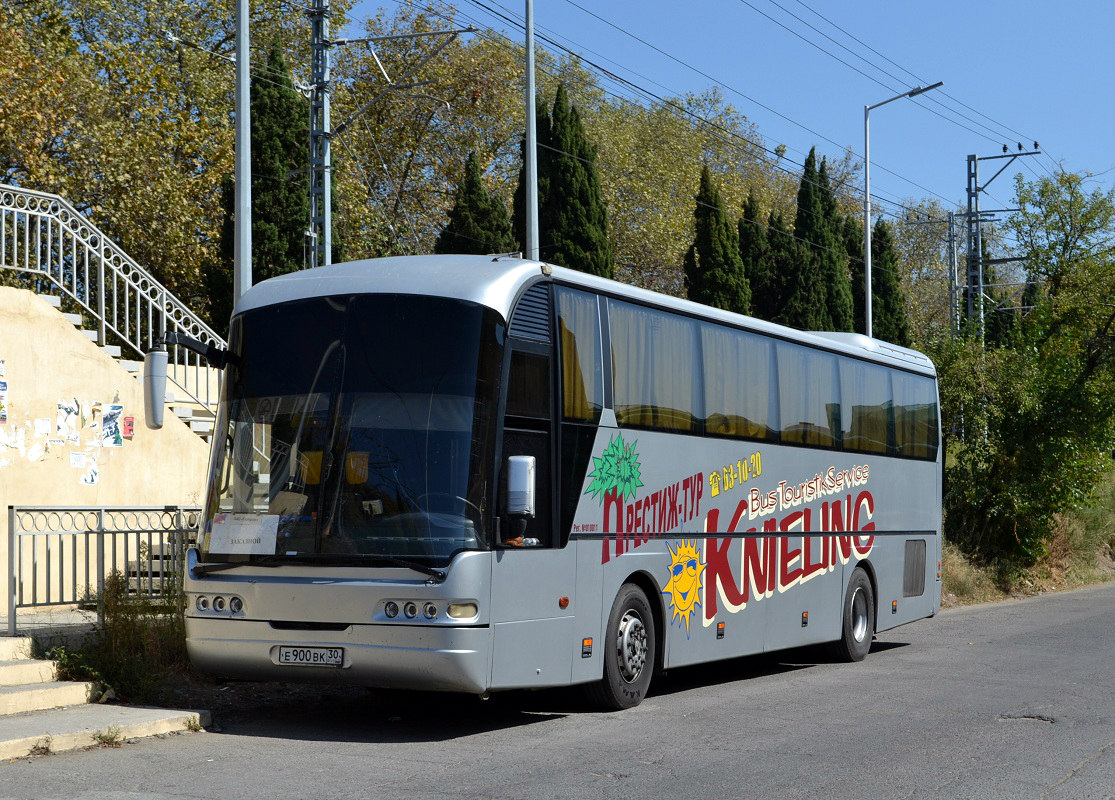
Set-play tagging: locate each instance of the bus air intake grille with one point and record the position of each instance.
(913, 573)
(531, 319)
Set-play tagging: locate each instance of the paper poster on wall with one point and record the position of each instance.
(244, 534)
(2, 368)
(77, 460)
(42, 427)
(68, 421)
(128, 427)
(91, 476)
(3, 402)
(111, 435)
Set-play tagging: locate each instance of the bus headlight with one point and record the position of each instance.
(391, 609)
(429, 610)
(462, 610)
(202, 603)
(410, 610)
(235, 605)
(218, 603)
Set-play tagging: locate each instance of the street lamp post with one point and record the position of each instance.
(867, 196)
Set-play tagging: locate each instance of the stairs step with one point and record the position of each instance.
(24, 671)
(90, 335)
(46, 694)
(112, 350)
(51, 300)
(74, 728)
(132, 366)
(74, 319)
(13, 648)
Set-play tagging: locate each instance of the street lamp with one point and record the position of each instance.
(867, 196)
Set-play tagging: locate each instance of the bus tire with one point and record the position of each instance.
(630, 649)
(859, 619)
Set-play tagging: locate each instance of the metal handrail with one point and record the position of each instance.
(44, 235)
(61, 555)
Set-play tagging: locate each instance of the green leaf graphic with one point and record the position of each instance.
(617, 468)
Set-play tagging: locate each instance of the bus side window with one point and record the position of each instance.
(526, 432)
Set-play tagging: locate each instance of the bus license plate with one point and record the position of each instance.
(312, 656)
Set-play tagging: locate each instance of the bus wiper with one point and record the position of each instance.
(437, 574)
(221, 566)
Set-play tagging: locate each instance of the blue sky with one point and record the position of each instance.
(1012, 72)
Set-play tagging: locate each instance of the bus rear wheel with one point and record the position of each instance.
(630, 650)
(859, 619)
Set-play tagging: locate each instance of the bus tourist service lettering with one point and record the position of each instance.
(703, 583)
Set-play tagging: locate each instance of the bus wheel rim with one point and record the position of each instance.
(632, 646)
(859, 615)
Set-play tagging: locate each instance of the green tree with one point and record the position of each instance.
(888, 305)
(572, 219)
(852, 237)
(1034, 425)
(713, 268)
(758, 265)
(478, 221)
(816, 226)
(280, 188)
(802, 293)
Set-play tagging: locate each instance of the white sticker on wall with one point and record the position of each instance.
(244, 534)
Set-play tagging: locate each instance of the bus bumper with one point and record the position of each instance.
(438, 658)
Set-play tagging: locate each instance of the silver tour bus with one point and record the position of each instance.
(473, 474)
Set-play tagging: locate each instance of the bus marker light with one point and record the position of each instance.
(391, 609)
(410, 610)
(720, 630)
(586, 648)
(894, 606)
(462, 610)
(429, 610)
(563, 602)
(938, 569)
(804, 619)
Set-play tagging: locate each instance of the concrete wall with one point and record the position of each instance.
(48, 457)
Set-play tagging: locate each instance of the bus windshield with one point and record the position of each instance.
(355, 430)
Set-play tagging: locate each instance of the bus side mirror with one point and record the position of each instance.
(154, 387)
(520, 486)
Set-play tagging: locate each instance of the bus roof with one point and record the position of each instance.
(498, 281)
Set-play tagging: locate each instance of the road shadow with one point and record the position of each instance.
(350, 714)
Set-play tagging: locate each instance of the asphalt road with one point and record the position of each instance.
(1013, 700)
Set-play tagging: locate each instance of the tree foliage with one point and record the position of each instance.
(713, 268)
(1031, 426)
(280, 129)
(478, 222)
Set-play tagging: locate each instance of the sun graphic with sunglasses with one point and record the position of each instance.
(683, 586)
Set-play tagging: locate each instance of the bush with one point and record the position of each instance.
(137, 643)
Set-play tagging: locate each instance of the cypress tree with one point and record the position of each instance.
(809, 229)
(758, 268)
(280, 189)
(801, 293)
(576, 229)
(713, 268)
(888, 304)
(853, 245)
(572, 219)
(834, 262)
(478, 222)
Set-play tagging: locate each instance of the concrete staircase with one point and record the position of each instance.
(195, 415)
(40, 715)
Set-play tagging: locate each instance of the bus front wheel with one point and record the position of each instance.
(629, 652)
(859, 619)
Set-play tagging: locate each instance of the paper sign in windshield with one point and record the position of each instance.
(244, 534)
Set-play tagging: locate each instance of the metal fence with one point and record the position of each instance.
(51, 242)
(60, 556)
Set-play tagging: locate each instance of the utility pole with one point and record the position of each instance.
(975, 219)
(530, 153)
(242, 232)
(320, 233)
